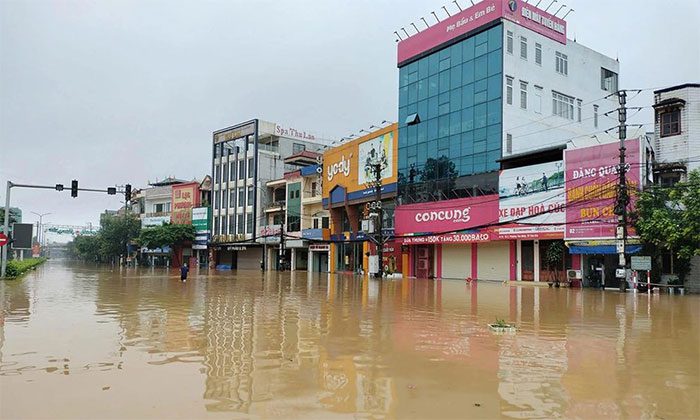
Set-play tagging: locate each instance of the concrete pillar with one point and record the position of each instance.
(294, 259)
(537, 259)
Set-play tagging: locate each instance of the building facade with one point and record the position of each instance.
(245, 157)
(489, 99)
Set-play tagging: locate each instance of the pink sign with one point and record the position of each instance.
(447, 216)
(591, 188)
(478, 15)
(451, 238)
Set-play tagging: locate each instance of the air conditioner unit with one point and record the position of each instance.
(573, 274)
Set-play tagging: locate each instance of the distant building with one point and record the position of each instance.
(244, 158)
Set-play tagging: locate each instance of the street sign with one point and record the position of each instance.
(3, 239)
(641, 263)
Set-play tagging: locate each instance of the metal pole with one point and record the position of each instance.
(622, 194)
(380, 236)
(6, 230)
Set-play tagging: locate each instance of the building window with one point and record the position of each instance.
(523, 47)
(509, 143)
(579, 103)
(224, 227)
(233, 171)
(241, 169)
(538, 99)
(241, 197)
(298, 148)
(523, 95)
(608, 80)
(325, 222)
(224, 178)
(224, 200)
(251, 168)
(218, 174)
(251, 192)
(240, 225)
(313, 189)
(232, 199)
(595, 116)
(216, 226)
(509, 42)
(538, 53)
(249, 222)
(509, 90)
(231, 227)
(671, 123)
(561, 63)
(562, 105)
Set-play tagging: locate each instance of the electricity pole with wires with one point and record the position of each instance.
(622, 195)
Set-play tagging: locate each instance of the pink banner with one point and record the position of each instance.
(478, 15)
(450, 238)
(446, 216)
(591, 188)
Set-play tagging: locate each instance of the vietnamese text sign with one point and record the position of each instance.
(641, 263)
(200, 219)
(591, 188)
(446, 216)
(185, 197)
(448, 238)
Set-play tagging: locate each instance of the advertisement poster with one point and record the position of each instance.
(532, 195)
(379, 149)
(592, 183)
(185, 197)
(200, 221)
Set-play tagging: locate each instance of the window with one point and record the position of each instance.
(218, 174)
(509, 143)
(509, 90)
(241, 197)
(231, 223)
(216, 226)
(608, 80)
(249, 222)
(561, 63)
(325, 223)
(298, 148)
(233, 171)
(216, 201)
(240, 225)
(241, 169)
(313, 189)
(578, 109)
(523, 47)
(224, 229)
(562, 105)
(315, 223)
(224, 201)
(523, 95)
(224, 178)
(537, 106)
(538, 53)
(595, 116)
(509, 42)
(251, 168)
(251, 195)
(232, 199)
(671, 123)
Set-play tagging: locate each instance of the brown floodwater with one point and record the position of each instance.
(86, 342)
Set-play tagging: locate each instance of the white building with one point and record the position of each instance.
(245, 157)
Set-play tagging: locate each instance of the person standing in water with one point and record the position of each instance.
(183, 272)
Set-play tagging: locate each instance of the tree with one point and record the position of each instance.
(87, 248)
(116, 233)
(174, 236)
(553, 258)
(668, 217)
(439, 175)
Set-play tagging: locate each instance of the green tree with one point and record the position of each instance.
(174, 236)
(87, 248)
(669, 219)
(116, 233)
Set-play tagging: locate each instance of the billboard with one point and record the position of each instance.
(591, 188)
(446, 216)
(200, 221)
(154, 221)
(532, 195)
(484, 12)
(344, 165)
(22, 235)
(185, 197)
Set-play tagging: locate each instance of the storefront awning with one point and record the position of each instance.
(602, 249)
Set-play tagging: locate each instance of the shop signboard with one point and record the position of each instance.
(200, 219)
(478, 15)
(154, 221)
(641, 263)
(532, 198)
(591, 188)
(269, 234)
(446, 217)
(185, 197)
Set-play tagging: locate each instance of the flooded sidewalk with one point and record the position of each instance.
(91, 342)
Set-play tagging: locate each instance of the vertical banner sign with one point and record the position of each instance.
(200, 221)
(184, 199)
(591, 188)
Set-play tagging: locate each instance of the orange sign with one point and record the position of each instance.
(185, 197)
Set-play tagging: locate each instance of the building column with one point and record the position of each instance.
(519, 269)
(513, 260)
(536, 246)
(475, 271)
(438, 261)
(294, 259)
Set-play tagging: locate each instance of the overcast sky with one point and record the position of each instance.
(115, 92)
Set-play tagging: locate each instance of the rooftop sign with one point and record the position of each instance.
(478, 15)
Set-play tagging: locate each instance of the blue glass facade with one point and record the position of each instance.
(456, 95)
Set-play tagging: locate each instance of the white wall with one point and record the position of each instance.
(685, 146)
(532, 130)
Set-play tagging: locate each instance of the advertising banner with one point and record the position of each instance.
(532, 195)
(591, 188)
(446, 216)
(469, 19)
(269, 234)
(154, 221)
(449, 238)
(378, 149)
(200, 219)
(185, 197)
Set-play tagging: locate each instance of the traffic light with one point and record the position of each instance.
(74, 188)
(127, 192)
(59, 187)
(111, 190)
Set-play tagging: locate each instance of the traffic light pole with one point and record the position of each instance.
(6, 225)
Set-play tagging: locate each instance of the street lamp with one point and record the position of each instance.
(39, 234)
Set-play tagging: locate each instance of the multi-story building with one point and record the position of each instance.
(245, 157)
(349, 196)
(489, 98)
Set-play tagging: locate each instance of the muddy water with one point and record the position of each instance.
(78, 341)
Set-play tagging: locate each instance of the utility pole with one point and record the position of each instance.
(380, 236)
(622, 196)
(281, 256)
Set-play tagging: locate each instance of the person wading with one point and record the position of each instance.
(183, 272)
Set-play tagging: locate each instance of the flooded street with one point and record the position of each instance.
(81, 341)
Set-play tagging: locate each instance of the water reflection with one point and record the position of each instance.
(298, 344)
